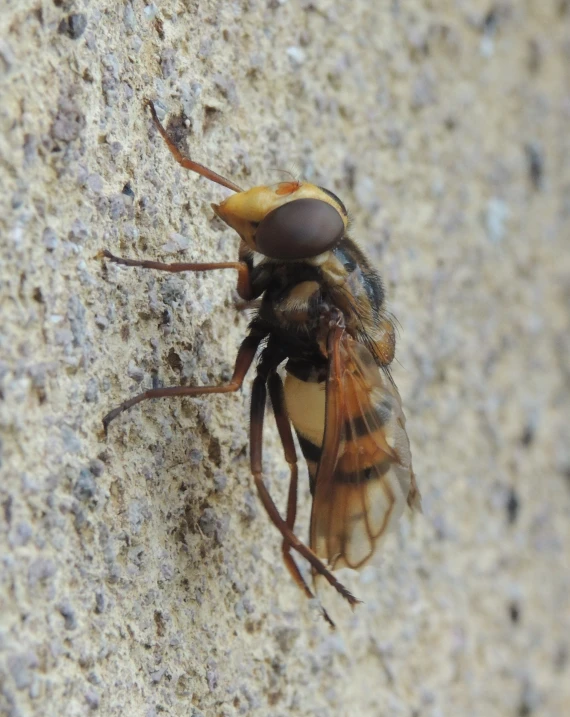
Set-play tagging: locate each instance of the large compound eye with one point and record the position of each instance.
(299, 229)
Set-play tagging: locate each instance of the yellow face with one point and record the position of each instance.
(244, 211)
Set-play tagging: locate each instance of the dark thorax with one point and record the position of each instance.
(296, 294)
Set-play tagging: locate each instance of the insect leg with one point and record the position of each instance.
(258, 400)
(275, 386)
(186, 162)
(243, 286)
(244, 359)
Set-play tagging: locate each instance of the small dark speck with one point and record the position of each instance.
(490, 21)
(91, 390)
(561, 658)
(128, 190)
(92, 699)
(535, 162)
(73, 25)
(514, 612)
(349, 170)
(7, 506)
(174, 360)
(534, 56)
(527, 436)
(99, 602)
(215, 451)
(68, 614)
(212, 679)
(160, 624)
(97, 467)
(85, 487)
(512, 506)
(37, 295)
(159, 27)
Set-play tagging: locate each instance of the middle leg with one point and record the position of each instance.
(258, 401)
(275, 386)
(244, 359)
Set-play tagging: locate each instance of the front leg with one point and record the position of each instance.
(244, 287)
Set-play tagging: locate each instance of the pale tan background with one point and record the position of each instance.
(139, 575)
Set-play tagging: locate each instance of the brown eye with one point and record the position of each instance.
(300, 229)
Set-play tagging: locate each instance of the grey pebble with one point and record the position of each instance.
(95, 183)
(68, 613)
(214, 526)
(21, 534)
(208, 522)
(93, 678)
(85, 487)
(92, 390)
(69, 121)
(157, 675)
(79, 233)
(129, 18)
(100, 602)
(40, 571)
(227, 86)
(134, 372)
(73, 25)
(92, 699)
(168, 62)
(116, 206)
(71, 442)
(286, 637)
(212, 679)
(97, 467)
(76, 318)
(249, 510)
(50, 239)
(21, 666)
(195, 456)
(220, 482)
(137, 512)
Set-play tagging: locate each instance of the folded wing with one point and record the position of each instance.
(356, 504)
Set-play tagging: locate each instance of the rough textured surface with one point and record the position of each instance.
(138, 574)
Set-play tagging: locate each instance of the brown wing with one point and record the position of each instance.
(358, 501)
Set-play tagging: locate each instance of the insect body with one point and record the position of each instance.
(322, 316)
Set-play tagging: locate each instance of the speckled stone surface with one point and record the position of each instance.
(138, 574)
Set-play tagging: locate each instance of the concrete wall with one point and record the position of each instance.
(138, 574)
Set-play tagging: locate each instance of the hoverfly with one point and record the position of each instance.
(322, 314)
